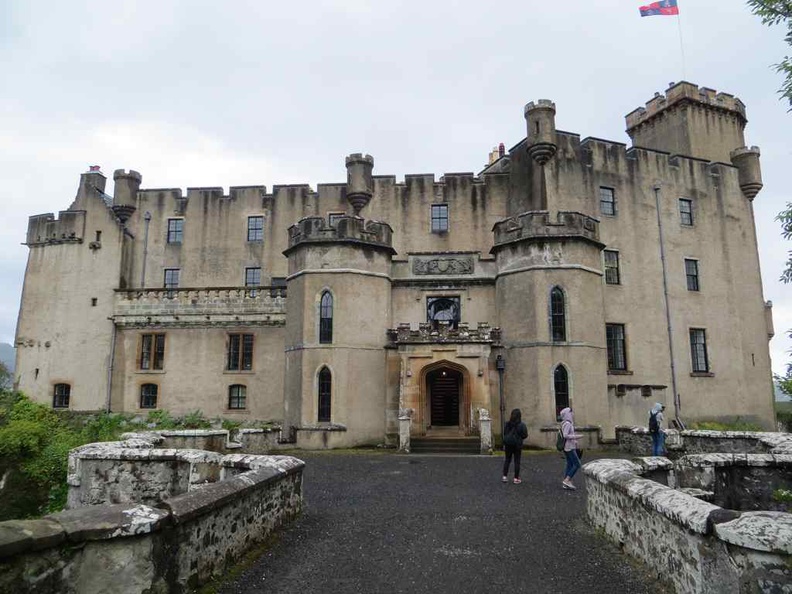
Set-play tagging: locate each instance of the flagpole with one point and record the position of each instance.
(681, 45)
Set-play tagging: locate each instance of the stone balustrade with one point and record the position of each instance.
(444, 332)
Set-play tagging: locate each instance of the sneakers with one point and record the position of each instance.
(517, 481)
(505, 479)
(568, 485)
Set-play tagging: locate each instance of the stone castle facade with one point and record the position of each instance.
(568, 272)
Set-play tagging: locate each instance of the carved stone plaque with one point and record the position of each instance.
(448, 266)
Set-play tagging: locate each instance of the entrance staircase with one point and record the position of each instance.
(445, 442)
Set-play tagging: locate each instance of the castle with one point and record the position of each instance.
(568, 272)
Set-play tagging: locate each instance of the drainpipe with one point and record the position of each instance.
(147, 219)
(500, 365)
(110, 367)
(677, 401)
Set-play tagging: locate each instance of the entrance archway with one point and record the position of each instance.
(443, 387)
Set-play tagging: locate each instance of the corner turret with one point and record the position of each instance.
(360, 185)
(125, 193)
(540, 120)
(746, 160)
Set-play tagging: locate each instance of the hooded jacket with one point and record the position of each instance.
(657, 410)
(568, 430)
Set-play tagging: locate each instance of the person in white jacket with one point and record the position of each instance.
(656, 429)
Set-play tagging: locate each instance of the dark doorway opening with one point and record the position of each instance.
(444, 386)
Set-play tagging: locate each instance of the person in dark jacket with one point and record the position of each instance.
(513, 434)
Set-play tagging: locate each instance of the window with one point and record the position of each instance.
(686, 212)
(692, 274)
(237, 397)
(443, 309)
(557, 315)
(607, 202)
(175, 229)
(325, 387)
(698, 350)
(171, 278)
(278, 286)
(612, 276)
(61, 395)
(240, 352)
(332, 217)
(617, 353)
(561, 384)
(252, 279)
(326, 318)
(148, 395)
(439, 218)
(152, 351)
(255, 229)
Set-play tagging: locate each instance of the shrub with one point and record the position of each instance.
(195, 420)
(732, 425)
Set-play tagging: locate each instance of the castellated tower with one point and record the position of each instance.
(339, 310)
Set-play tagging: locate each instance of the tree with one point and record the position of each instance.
(785, 218)
(778, 12)
(5, 377)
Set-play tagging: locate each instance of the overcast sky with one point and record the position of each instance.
(194, 93)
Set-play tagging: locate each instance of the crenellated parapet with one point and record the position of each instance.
(45, 229)
(444, 333)
(539, 226)
(347, 229)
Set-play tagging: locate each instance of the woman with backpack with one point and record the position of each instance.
(570, 448)
(513, 434)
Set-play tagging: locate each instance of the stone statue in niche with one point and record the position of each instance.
(449, 266)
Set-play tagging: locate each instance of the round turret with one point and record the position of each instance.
(746, 160)
(125, 193)
(360, 184)
(540, 120)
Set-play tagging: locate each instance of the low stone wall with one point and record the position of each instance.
(698, 546)
(205, 511)
(249, 441)
(637, 441)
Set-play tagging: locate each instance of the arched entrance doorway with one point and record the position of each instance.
(444, 387)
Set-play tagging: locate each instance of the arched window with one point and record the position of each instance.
(561, 385)
(148, 395)
(557, 315)
(237, 397)
(326, 318)
(61, 396)
(325, 387)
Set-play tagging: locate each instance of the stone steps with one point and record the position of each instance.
(445, 445)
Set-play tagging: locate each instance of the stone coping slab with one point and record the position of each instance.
(100, 522)
(725, 460)
(20, 536)
(762, 531)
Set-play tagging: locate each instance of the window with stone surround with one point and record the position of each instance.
(171, 278)
(612, 272)
(686, 212)
(148, 395)
(617, 348)
(698, 350)
(561, 387)
(252, 279)
(278, 286)
(607, 201)
(255, 228)
(557, 315)
(175, 230)
(326, 318)
(240, 352)
(237, 397)
(61, 396)
(152, 352)
(325, 385)
(692, 274)
(439, 218)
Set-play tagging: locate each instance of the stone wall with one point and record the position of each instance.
(637, 441)
(697, 546)
(200, 527)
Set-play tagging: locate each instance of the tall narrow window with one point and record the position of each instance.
(255, 230)
(607, 201)
(692, 274)
(561, 384)
(698, 350)
(326, 318)
(171, 280)
(686, 212)
(148, 395)
(617, 351)
(612, 275)
(152, 352)
(252, 279)
(175, 230)
(557, 315)
(439, 218)
(240, 352)
(237, 397)
(325, 388)
(61, 396)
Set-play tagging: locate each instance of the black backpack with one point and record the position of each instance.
(512, 437)
(654, 426)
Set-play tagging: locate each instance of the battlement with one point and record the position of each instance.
(537, 225)
(683, 93)
(45, 229)
(347, 229)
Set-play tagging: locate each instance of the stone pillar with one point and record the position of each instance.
(485, 429)
(405, 420)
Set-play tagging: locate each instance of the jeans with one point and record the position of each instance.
(515, 451)
(658, 444)
(572, 463)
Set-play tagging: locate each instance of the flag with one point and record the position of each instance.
(662, 8)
